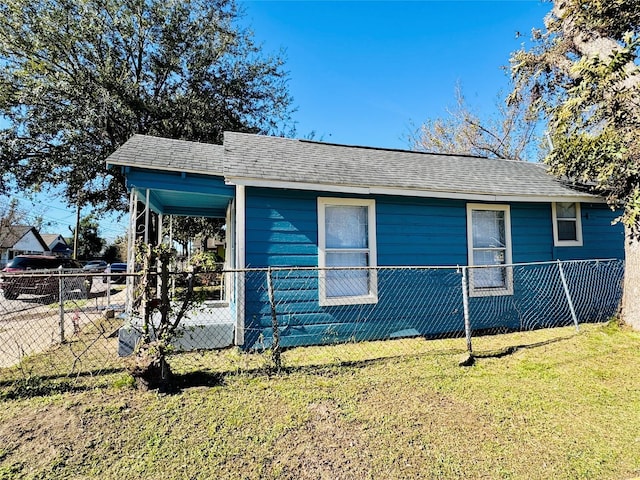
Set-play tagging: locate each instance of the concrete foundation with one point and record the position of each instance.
(209, 327)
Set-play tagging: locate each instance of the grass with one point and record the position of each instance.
(536, 405)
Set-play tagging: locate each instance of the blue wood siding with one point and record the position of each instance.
(420, 231)
(282, 231)
(602, 236)
(281, 228)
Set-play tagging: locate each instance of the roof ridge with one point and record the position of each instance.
(199, 142)
(383, 149)
(399, 150)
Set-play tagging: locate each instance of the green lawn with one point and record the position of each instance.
(546, 404)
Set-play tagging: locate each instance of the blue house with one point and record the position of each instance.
(298, 203)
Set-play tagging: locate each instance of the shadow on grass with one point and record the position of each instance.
(183, 381)
(62, 377)
(510, 350)
(50, 384)
(38, 387)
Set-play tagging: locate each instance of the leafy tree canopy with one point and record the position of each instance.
(79, 77)
(116, 251)
(10, 216)
(185, 229)
(509, 134)
(90, 244)
(582, 76)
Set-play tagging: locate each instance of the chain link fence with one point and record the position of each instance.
(70, 325)
(58, 323)
(283, 311)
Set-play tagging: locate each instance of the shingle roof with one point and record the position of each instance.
(49, 238)
(13, 234)
(273, 161)
(158, 153)
(260, 159)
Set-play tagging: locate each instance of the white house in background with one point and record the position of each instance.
(57, 244)
(20, 240)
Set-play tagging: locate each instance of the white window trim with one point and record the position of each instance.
(567, 243)
(488, 292)
(372, 296)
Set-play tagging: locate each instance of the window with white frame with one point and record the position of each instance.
(347, 238)
(489, 243)
(567, 226)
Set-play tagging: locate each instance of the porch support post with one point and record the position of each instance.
(159, 241)
(240, 264)
(131, 255)
(147, 212)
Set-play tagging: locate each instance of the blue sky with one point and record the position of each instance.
(362, 73)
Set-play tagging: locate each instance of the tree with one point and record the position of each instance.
(185, 229)
(10, 217)
(90, 244)
(582, 75)
(79, 77)
(116, 251)
(509, 134)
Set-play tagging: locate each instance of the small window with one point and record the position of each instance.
(346, 238)
(567, 226)
(489, 243)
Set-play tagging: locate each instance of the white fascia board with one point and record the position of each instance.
(297, 186)
(164, 168)
(486, 197)
(407, 192)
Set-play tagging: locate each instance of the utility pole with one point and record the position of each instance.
(75, 236)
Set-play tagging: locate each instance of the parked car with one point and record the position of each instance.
(44, 280)
(95, 266)
(115, 269)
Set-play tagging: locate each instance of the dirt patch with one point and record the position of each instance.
(56, 435)
(45, 437)
(326, 447)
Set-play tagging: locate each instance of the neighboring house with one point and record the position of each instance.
(308, 204)
(20, 240)
(57, 244)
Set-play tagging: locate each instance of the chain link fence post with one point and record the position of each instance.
(61, 303)
(275, 348)
(465, 308)
(108, 277)
(568, 295)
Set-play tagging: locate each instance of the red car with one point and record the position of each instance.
(44, 281)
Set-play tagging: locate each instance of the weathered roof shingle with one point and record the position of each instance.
(261, 158)
(273, 161)
(158, 153)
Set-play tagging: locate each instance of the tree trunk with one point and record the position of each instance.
(631, 286)
(150, 369)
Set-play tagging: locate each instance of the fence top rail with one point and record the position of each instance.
(457, 268)
(416, 267)
(550, 262)
(46, 273)
(65, 274)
